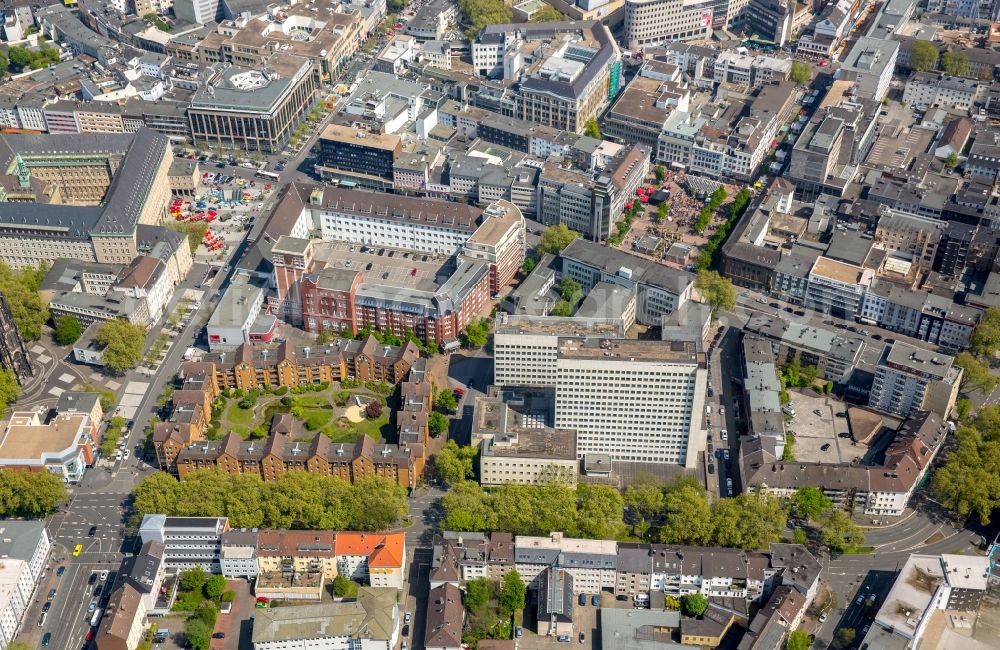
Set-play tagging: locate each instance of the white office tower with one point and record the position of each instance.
(638, 401)
(652, 22)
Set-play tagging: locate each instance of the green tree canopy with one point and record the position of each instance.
(839, 532)
(30, 495)
(976, 375)
(294, 500)
(555, 238)
(455, 464)
(844, 638)
(10, 390)
(214, 586)
(923, 56)
(198, 634)
(969, 481)
(592, 129)
(476, 333)
(809, 502)
(963, 408)
(343, 587)
(717, 290)
(951, 161)
(21, 290)
(437, 423)
(193, 579)
(547, 14)
(955, 63)
(599, 512)
(480, 13)
(687, 518)
(694, 604)
(477, 595)
(750, 520)
(798, 640)
(513, 592)
(660, 173)
(801, 73)
(985, 338)
(123, 344)
(68, 329)
(446, 401)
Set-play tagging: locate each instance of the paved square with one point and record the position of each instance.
(56, 391)
(113, 385)
(44, 358)
(137, 387)
(129, 399)
(127, 412)
(66, 378)
(37, 349)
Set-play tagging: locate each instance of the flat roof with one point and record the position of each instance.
(934, 364)
(25, 441)
(559, 326)
(621, 350)
(556, 444)
(840, 271)
(341, 133)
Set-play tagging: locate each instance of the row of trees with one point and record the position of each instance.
(295, 500)
(592, 511)
(717, 290)
(23, 58)
(31, 495)
(707, 256)
(679, 513)
(10, 390)
(21, 290)
(969, 482)
(924, 57)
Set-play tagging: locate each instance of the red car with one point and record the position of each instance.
(459, 393)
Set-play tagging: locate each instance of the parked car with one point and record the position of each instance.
(595, 600)
(825, 447)
(583, 599)
(61, 570)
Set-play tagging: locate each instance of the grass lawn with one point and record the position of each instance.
(343, 430)
(239, 420)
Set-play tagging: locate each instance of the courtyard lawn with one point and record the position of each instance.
(239, 420)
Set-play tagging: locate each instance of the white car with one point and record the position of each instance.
(724, 434)
(128, 452)
(722, 410)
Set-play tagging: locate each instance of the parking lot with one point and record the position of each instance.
(386, 266)
(816, 428)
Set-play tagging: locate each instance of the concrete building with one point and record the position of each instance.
(65, 445)
(187, 541)
(529, 457)
(593, 372)
(909, 379)
(277, 454)
(926, 89)
(253, 109)
(837, 288)
(372, 621)
(870, 64)
(835, 353)
(652, 22)
(565, 87)
(116, 181)
(237, 319)
(925, 585)
(659, 289)
(350, 154)
(25, 547)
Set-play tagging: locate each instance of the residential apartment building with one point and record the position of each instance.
(591, 562)
(123, 624)
(835, 353)
(915, 236)
(910, 379)
(652, 22)
(187, 541)
(927, 89)
(641, 109)
(279, 453)
(25, 547)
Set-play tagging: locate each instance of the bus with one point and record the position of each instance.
(271, 176)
